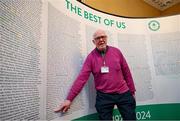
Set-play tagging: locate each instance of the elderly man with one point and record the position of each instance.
(112, 77)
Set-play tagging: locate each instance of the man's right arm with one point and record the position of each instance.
(77, 86)
(80, 80)
(63, 107)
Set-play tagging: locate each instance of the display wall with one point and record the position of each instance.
(43, 44)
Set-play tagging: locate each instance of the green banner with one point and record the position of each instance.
(146, 112)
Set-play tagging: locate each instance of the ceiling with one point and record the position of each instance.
(162, 4)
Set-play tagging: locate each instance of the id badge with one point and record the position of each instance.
(104, 69)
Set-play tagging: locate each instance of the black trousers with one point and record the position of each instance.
(125, 102)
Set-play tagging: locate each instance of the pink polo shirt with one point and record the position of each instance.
(117, 80)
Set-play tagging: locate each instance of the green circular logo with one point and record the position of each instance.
(154, 25)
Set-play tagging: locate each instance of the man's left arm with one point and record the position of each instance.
(127, 75)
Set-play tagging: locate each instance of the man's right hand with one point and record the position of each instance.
(63, 107)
